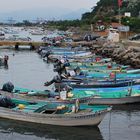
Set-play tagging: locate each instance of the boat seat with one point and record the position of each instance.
(30, 108)
(84, 111)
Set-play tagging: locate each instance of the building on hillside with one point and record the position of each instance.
(113, 35)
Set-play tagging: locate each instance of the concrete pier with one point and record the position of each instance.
(33, 44)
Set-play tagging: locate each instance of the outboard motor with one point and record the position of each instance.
(8, 87)
(6, 102)
(57, 80)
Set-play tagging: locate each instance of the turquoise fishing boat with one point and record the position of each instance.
(118, 75)
(97, 66)
(126, 96)
(46, 95)
(104, 96)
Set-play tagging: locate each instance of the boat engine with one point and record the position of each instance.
(8, 87)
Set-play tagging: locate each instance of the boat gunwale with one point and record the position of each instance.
(55, 116)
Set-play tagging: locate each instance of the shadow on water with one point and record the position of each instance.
(127, 107)
(41, 132)
(4, 67)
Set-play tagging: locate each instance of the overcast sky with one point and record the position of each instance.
(14, 5)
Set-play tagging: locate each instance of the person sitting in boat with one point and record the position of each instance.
(58, 85)
(66, 61)
(78, 71)
(60, 66)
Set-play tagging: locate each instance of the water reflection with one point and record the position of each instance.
(124, 123)
(41, 132)
(4, 67)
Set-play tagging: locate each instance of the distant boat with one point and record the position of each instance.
(2, 35)
(9, 30)
(36, 32)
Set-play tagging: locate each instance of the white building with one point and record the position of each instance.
(113, 35)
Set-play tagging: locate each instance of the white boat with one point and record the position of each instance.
(36, 32)
(54, 113)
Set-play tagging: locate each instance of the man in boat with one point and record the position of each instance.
(60, 66)
(58, 85)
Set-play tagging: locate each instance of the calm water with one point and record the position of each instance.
(26, 69)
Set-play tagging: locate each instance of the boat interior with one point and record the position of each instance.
(53, 108)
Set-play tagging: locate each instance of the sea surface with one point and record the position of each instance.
(26, 69)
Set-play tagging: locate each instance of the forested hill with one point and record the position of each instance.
(108, 8)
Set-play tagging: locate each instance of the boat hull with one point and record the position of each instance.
(90, 100)
(87, 119)
(98, 84)
(115, 101)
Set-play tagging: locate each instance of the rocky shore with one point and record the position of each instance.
(127, 53)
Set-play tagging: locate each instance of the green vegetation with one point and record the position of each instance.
(133, 22)
(107, 10)
(66, 24)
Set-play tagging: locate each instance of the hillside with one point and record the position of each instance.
(109, 8)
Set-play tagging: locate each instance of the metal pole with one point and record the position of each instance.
(120, 20)
(119, 15)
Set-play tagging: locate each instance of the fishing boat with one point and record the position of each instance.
(36, 32)
(114, 70)
(54, 113)
(100, 84)
(71, 55)
(47, 95)
(110, 89)
(121, 95)
(103, 66)
(127, 96)
(89, 60)
(84, 82)
(118, 75)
